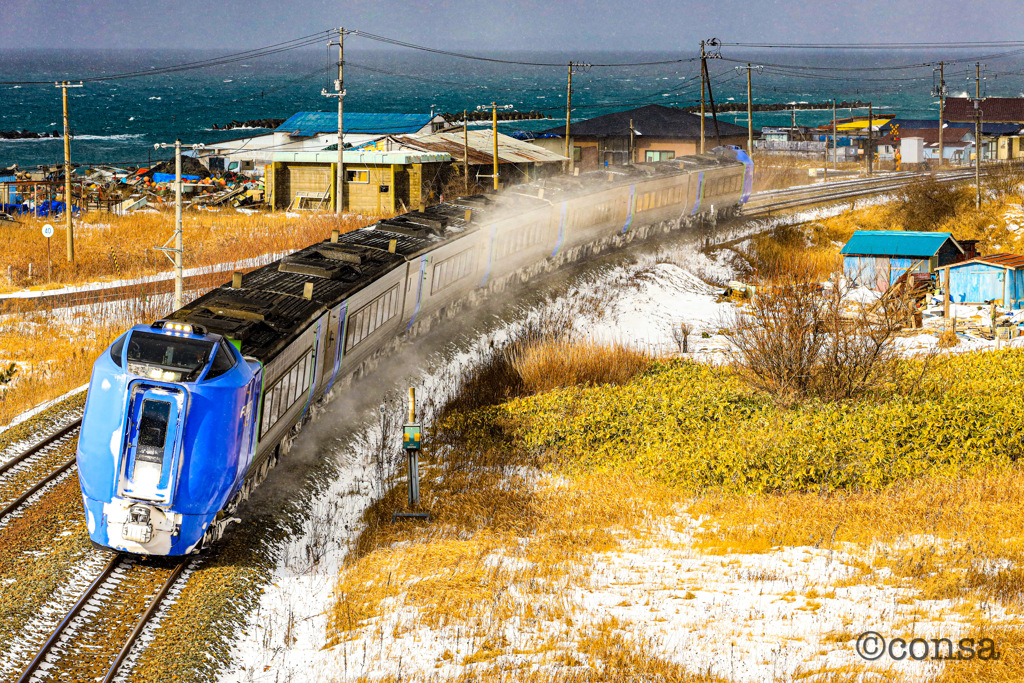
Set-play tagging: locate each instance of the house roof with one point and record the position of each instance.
(897, 243)
(995, 109)
(1003, 260)
(360, 156)
(481, 144)
(651, 121)
(310, 123)
(930, 135)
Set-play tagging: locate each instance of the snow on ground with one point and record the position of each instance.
(749, 616)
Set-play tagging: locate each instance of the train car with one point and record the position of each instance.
(186, 416)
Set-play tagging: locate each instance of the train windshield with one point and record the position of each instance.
(167, 357)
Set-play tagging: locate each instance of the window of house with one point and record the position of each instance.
(658, 155)
(577, 153)
(357, 176)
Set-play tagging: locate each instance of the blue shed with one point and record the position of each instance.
(982, 279)
(877, 258)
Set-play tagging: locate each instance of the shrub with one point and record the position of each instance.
(697, 427)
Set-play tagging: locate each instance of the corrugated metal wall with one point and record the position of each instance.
(977, 283)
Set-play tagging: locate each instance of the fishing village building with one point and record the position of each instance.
(650, 133)
(877, 258)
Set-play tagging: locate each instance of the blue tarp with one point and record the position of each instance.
(169, 178)
(44, 209)
(310, 123)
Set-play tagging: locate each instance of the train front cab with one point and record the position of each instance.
(167, 437)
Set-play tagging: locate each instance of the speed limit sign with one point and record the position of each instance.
(47, 230)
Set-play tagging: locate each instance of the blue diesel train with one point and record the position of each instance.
(186, 416)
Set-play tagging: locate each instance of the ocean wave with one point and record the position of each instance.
(121, 136)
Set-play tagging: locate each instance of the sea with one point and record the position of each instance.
(118, 121)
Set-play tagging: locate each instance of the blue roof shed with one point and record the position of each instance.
(310, 123)
(877, 258)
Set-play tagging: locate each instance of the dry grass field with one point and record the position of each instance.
(110, 247)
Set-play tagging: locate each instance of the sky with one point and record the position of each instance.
(485, 25)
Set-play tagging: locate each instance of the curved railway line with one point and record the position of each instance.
(93, 639)
(97, 634)
(24, 475)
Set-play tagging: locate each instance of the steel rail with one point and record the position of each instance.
(154, 605)
(69, 617)
(40, 446)
(20, 500)
(116, 561)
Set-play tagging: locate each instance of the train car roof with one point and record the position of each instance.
(271, 308)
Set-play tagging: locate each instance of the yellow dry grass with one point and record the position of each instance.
(945, 538)
(55, 354)
(110, 247)
(558, 363)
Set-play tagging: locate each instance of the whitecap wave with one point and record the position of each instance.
(122, 136)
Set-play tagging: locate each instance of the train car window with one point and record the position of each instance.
(117, 348)
(452, 269)
(370, 317)
(223, 361)
(167, 357)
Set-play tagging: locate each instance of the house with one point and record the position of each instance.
(312, 132)
(650, 133)
(376, 183)
(953, 139)
(876, 258)
(518, 160)
(982, 279)
(1001, 120)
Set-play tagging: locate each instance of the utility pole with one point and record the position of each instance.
(69, 228)
(703, 66)
(632, 143)
(573, 67)
(835, 136)
(339, 92)
(870, 151)
(750, 115)
(568, 112)
(706, 78)
(465, 150)
(942, 113)
(177, 252)
(977, 155)
(494, 117)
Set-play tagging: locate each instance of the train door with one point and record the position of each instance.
(249, 410)
(334, 346)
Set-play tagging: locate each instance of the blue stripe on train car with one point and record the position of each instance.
(700, 193)
(561, 229)
(748, 174)
(630, 208)
(339, 352)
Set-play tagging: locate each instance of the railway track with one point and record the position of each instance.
(764, 203)
(24, 475)
(97, 634)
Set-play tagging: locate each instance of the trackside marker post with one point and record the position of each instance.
(411, 436)
(48, 233)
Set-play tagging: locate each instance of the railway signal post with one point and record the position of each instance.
(411, 434)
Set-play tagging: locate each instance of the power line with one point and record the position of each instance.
(255, 53)
(960, 45)
(461, 55)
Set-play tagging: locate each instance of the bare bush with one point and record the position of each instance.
(681, 336)
(798, 339)
(928, 204)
